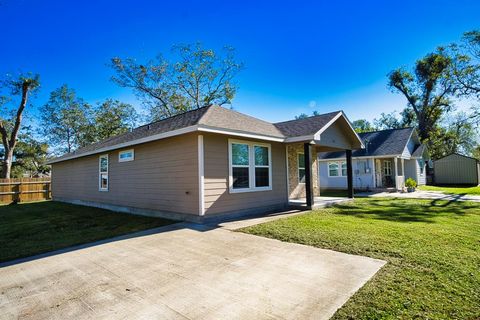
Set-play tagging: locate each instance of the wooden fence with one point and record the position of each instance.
(24, 190)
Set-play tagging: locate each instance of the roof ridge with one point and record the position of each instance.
(310, 117)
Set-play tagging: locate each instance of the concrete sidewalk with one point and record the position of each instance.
(184, 271)
(420, 194)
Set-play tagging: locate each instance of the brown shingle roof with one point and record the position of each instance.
(214, 117)
(305, 126)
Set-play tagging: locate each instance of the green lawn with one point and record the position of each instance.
(33, 228)
(432, 249)
(453, 189)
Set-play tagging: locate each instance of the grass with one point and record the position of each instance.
(432, 249)
(32, 228)
(453, 189)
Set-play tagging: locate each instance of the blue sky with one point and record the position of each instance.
(299, 57)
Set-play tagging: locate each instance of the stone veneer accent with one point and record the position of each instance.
(296, 189)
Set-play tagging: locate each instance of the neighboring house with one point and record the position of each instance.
(202, 163)
(457, 169)
(388, 159)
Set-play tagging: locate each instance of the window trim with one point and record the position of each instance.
(298, 167)
(100, 172)
(251, 166)
(385, 167)
(126, 151)
(339, 169)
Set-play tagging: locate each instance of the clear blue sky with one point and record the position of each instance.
(300, 57)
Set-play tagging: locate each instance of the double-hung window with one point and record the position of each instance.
(301, 168)
(103, 173)
(337, 169)
(333, 169)
(250, 166)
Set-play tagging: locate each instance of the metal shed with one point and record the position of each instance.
(457, 169)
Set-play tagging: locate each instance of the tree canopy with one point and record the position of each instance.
(195, 77)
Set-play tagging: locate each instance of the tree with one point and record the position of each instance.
(428, 90)
(30, 156)
(199, 77)
(304, 115)
(66, 120)
(362, 125)
(11, 118)
(112, 118)
(466, 68)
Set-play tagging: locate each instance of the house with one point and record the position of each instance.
(388, 159)
(457, 169)
(203, 163)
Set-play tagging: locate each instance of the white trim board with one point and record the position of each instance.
(201, 176)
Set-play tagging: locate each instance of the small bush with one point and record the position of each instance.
(411, 183)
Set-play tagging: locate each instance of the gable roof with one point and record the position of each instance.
(209, 119)
(377, 143)
(418, 153)
(305, 126)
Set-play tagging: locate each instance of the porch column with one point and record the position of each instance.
(307, 151)
(395, 166)
(349, 173)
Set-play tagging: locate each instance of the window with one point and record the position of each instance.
(127, 155)
(344, 169)
(103, 173)
(421, 163)
(333, 169)
(387, 167)
(301, 168)
(250, 166)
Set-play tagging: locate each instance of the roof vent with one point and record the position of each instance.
(148, 127)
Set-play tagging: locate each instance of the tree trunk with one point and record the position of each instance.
(7, 165)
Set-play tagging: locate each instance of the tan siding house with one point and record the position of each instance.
(457, 169)
(202, 164)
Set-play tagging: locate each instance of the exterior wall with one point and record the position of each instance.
(297, 189)
(360, 181)
(456, 169)
(412, 170)
(162, 177)
(219, 200)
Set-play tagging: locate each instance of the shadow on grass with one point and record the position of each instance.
(401, 210)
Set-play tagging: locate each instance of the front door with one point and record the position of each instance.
(378, 173)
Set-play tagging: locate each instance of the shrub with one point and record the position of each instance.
(411, 183)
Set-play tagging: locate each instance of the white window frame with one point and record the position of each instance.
(100, 172)
(299, 168)
(339, 165)
(385, 167)
(338, 169)
(127, 159)
(251, 166)
(421, 164)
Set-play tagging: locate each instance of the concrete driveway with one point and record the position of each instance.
(184, 271)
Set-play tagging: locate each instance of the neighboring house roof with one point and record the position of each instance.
(211, 119)
(377, 143)
(458, 154)
(420, 151)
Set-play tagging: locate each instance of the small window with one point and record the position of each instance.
(344, 169)
(127, 155)
(387, 164)
(333, 169)
(250, 166)
(301, 168)
(103, 173)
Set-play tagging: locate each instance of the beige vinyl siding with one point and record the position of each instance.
(456, 169)
(218, 199)
(163, 177)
